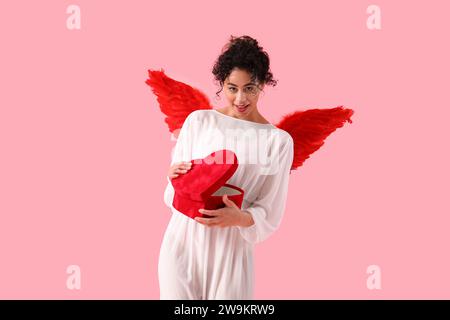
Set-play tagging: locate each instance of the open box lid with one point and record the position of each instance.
(206, 175)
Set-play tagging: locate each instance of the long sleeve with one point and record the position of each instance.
(268, 208)
(181, 152)
(169, 193)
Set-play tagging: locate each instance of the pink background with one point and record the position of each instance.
(85, 150)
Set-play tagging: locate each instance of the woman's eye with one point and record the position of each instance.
(247, 89)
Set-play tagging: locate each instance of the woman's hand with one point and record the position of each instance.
(229, 216)
(179, 168)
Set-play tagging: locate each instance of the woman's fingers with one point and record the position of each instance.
(213, 213)
(207, 221)
(183, 169)
(180, 168)
(184, 163)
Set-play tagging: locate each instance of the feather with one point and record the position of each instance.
(176, 99)
(310, 128)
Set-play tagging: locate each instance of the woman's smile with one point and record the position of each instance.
(242, 109)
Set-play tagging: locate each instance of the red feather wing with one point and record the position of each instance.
(176, 99)
(310, 128)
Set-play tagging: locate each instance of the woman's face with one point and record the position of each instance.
(242, 93)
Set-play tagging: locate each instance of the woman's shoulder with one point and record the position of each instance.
(195, 117)
(285, 136)
(199, 114)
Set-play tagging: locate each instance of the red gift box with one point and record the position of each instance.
(205, 183)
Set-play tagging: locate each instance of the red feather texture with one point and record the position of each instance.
(176, 99)
(310, 128)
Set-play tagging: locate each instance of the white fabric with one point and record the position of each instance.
(201, 262)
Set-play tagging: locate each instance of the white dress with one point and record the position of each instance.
(201, 262)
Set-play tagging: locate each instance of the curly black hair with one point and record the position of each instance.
(243, 53)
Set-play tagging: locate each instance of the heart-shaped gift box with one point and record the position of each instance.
(205, 183)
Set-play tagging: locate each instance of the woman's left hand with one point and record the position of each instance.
(229, 216)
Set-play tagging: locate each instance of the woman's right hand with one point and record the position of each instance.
(179, 168)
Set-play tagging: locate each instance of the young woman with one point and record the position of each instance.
(212, 258)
